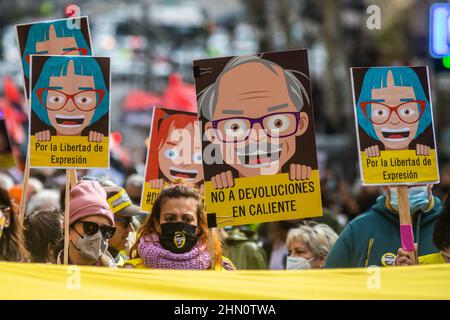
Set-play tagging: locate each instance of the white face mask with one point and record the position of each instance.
(298, 263)
(418, 196)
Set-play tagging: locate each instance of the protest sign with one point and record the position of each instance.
(394, 125)
(6, 154)
(69, 115)
(57, 37)
(259, 150)
(174, 152)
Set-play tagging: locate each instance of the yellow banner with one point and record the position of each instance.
(265, 198)
(149, 196)
(58, 282)
(399, 167)
(72, 152)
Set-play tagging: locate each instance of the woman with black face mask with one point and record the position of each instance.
(175, 235)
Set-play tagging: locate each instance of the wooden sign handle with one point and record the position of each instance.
(66, 216)
(406, 232)
(73, 177)
(23, 197)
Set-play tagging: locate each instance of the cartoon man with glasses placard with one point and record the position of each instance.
(255, 114)
(393, 109)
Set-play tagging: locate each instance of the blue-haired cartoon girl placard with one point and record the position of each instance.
(394, 124)
(69, 116)
(57, 37)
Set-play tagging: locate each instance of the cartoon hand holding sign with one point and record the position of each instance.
(255, 113)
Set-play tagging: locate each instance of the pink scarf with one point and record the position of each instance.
(155, 256)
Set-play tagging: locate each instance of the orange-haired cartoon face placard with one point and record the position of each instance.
(174, 153)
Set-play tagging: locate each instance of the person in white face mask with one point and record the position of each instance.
(308, 246)
(91, 226)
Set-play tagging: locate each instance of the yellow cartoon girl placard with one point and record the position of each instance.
(394, 125)
(69, 116)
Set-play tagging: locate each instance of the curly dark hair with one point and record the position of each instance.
(12, 244)
(43, 231)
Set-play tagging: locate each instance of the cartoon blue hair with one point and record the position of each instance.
(57, 67)
(41, 32)
(376, 78)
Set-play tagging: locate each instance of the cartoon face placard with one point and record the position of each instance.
(69, 116)
(394, 125)
(57, 37)
(174, 153)
(259, 151)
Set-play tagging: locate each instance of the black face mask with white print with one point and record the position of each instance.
(178, 237)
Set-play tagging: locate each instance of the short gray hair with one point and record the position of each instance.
(46, 199)
(207, 98)
(319, 238)
(6, 182)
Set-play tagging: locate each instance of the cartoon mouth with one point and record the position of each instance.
(396, 134)
(69, 121)
(259, 158)
(183, 173)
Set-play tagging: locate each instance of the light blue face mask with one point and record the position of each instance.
(418, 198)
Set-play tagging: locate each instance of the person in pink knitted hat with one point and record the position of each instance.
(91, 226)
(175, 235)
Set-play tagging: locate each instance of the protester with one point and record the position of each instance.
(441, 239)
(46, 199)
(374, 238)
(91, 226)
(6, 182)
(12, 244)
(308, 245)
(34, 186)
(242, 248)
(175, 235)
(43, 232)
(124, 211)
(133, 186)
(273, 236)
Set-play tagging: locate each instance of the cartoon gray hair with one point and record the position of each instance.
(207, 98)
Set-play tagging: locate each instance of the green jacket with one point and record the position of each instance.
(244, 252)
(373, 238)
